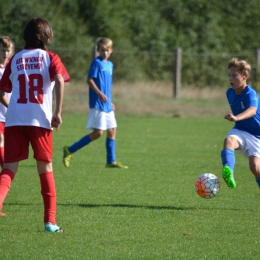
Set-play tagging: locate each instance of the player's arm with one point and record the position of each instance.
(4, 99)
(250, 112)
(113, 106)
(94, 87)
(59, 92)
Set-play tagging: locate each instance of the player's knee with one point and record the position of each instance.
(97, 134)
(255, 168)
(231, 143)
(111, 133)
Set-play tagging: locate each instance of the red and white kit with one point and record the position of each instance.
(2, 107)
(30, 77)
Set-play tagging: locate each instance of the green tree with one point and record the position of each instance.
(145, 34)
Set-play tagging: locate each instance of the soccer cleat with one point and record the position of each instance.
(227, 174)
(52, 228)
(2, 214)
(116, 165)
(67, 155)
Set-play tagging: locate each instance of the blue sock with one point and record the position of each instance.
(258, 181)
(228, 158)
(79, 144)
(111, 150)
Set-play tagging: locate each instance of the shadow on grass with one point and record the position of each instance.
(155, 207)
(133, 206)
(151, 207)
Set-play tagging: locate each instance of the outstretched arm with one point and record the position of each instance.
(59, 91)
(251, 111)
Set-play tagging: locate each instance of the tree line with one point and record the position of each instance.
(148, 30)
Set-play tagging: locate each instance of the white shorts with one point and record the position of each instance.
(249, 144)
(101, 120)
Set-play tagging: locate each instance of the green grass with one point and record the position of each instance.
(149, 211)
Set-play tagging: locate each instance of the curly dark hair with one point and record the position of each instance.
(37, 33)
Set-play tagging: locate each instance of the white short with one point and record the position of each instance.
(249, 144)
(101, 120)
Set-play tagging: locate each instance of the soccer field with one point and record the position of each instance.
(149, 211)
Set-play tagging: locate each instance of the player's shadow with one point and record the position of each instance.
(152, 207)
(134, 206)
(120, 205)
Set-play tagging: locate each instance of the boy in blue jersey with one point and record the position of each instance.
(245, 135)
(101, 115)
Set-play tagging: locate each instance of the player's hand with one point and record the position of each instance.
(56, 121)
(113, 106)
(102, 97)
(230, 117)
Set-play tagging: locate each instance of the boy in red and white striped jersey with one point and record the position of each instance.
(31, 76)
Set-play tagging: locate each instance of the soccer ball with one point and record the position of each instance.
(207, 185)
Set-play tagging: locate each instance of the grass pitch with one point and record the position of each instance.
(149, 211)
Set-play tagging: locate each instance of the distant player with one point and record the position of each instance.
(101, 115)
(245, 135)
(31, 75)
(6, 51)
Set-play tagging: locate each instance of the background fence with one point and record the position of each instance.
(197, 69)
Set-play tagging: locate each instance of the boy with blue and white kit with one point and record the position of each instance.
(101, 114)
(245, 135)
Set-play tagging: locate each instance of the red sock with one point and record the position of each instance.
(48, 192)
(1, 156)
(6, 177)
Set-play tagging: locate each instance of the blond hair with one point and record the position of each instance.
(105, 43)
(6, 42)
(243, 67)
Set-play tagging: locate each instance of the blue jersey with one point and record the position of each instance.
(102, 73)
(239, 103)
